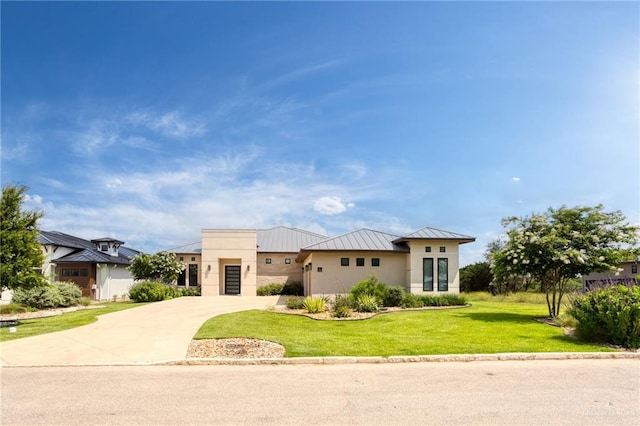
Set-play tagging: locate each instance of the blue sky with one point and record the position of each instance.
(150, 121)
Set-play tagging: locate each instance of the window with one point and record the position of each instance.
(443, 249)
(287, 261)
(75, 272)
(443, 274)
(104, 247)
(375, 261)
(193, 259)
(181, 259)
(319, 268)
(344, 261)
(359, 261)
(268, 261)
(427, 249)
(634, 269)
(193, 275)
(427, 274)
(182, 278)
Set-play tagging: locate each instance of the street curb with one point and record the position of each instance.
(542, 356)
(406, 359)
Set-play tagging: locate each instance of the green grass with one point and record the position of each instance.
(36, 326)
(486, 327)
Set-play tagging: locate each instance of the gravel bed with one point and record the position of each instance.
(234, 348)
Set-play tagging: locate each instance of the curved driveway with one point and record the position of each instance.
(155, 332)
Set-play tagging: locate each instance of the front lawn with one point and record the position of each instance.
(486, 327)
(35, 326)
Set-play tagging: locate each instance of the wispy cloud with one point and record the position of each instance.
(169, 124)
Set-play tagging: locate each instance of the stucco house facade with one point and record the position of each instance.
(98, 267)
(237, 261)
(626, 275)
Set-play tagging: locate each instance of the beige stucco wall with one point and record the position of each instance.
(278, 271)
(335, 279)
(626, 273)
(191, 259)
(418, 253)
(228, 247)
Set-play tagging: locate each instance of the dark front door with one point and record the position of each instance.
(231, 279)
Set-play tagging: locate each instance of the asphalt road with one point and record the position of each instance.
(569, 392)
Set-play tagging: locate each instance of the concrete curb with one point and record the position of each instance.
(406, 359)
(542, 356)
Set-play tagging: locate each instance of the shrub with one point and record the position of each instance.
(393, 296)
(190, 291)
(314, 305)
(372, 287)
(366, 303)
(610, 315)
(293, 289)
(410, 300)
(41, 297)
(294, 302)
(443, 300)
(84, 301)
(272, 289)
(69, 292)
(14, 308)
(342, 305)
(151, 291)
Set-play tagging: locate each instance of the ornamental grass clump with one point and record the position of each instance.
(342, 306)
(314, 305)
(609, 315)
(366, 303)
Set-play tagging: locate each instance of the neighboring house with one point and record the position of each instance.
(98, 267)
(626, 275)
(236, 262)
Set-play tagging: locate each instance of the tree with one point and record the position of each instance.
(563, 243)
(162, 266)
(476, 277)
(20, 252)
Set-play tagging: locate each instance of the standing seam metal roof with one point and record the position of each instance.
(285, 240)
(435, 234)
(363, 240)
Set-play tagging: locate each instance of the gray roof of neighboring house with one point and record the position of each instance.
(87, 251)
(435, 234)
(361, 240)
(93, 256)
(282, 239)
(63, 240)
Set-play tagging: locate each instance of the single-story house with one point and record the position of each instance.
(237, 261)
(627, 274)
(98, 267)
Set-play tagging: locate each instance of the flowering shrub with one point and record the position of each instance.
(610, 315)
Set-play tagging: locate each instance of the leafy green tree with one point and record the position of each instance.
(20, 252)
(554, 247)
(162, 266)
(476, 277)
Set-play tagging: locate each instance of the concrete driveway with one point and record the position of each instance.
(155, 332)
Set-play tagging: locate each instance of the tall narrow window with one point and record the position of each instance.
(443, 274)
(427, 274)
(193, 275)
